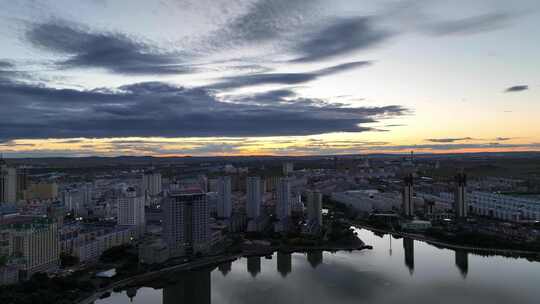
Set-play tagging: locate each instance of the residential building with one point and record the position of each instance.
(503, 207)
(283, 205)
(131, 211)
(41, 191)
(186, 222)
(288, 168)
(151, 183)
(224, 203)
(8, 183)
(35, 240)
(253, 197)
(314, 207)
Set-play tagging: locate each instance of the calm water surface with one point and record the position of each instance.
(395, 271)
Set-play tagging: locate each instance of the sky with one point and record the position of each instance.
(268, 77)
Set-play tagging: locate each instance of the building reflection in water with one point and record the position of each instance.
(225, 268)
(190, 287)
(315, 258)
(254, 265)
(284, 263)
(408, 248)
(462, 262)
(131, 293)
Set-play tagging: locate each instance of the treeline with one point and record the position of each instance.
(41, 289)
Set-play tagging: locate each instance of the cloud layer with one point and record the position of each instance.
(517, 88)
(160, 109)
(112, 51)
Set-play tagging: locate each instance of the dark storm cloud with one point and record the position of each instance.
(256, 79)
(159, 109)
(469, 25)
(112, 51)
(518, 88)
(340, 37)
(448, 140)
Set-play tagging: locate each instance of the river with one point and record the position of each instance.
(395, 271)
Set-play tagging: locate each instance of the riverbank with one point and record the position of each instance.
(533, 255)
(214, 261)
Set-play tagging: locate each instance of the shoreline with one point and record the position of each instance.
(435, 242)
(211, 261)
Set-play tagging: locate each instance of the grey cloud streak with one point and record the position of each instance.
(340, 37)
(469, 25)
(160, 109)
(257, 79)
(115, 52)
(517, 88)
(449, 140)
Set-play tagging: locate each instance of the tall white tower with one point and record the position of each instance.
(253, 199)
(224, 204)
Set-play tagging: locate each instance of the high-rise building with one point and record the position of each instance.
(407, 196)
(151, 183)
(131, 210)
(36, 241)
(8, 183)
(86, 194)
(315, 207)
(283, 207)
(72, 199)
(253, 197)
(186, 222)
(224, 203)
(288, 168)
(22, 182)
(460, 197)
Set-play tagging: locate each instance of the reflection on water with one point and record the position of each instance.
(411, 272)
(462, 262)
(284, 263)
(254, 265)
(192, 287)
(408, 247)
(225, 268)
(315, 258)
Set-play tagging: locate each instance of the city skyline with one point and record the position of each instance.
(279, 77)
